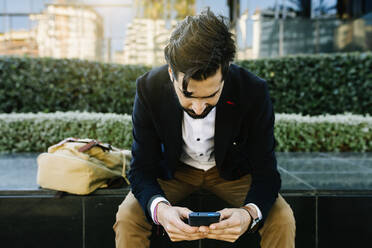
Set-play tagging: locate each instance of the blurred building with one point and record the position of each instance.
(274, 37)
(281, 30)
(21, 42)
(148, 33)
(66, 30)
(145, 41)
(118, 57)
(74, 29)
(355, 35)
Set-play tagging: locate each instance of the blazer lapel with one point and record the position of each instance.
(227, 120)
(173, 122)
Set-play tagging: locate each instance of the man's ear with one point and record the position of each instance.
(170, 73)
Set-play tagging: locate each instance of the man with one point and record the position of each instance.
(202, 122)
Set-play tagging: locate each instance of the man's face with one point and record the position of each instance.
(203, 95)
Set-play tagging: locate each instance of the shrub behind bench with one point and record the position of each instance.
(35, 132)
(310, 85)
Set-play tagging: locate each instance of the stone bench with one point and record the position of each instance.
(331, 195)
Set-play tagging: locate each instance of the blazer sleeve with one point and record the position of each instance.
(146, 152)
(266, 180)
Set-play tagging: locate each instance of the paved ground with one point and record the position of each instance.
(326, 171)
(307, 171)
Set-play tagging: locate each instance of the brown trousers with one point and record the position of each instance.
(133, 230)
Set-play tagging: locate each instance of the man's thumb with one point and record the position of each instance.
(185, 212)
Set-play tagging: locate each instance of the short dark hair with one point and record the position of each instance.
(199, 45)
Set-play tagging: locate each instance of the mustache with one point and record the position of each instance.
(193, 115)
(191, 112)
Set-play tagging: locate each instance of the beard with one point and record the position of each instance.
(192, 114)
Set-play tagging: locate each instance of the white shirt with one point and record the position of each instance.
(198, 148)
(198, 141)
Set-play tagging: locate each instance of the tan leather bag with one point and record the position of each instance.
(80, 166)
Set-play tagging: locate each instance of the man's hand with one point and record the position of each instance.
(171, 218)
(234, 222)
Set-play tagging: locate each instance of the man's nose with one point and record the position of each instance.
(198, 107)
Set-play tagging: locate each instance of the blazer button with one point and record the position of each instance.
(234, 143)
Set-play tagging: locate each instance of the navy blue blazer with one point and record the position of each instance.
(244, 140)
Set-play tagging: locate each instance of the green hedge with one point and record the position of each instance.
(318, 84)
(325, 133)
(50, 85)
(35, 132)
(310, 85)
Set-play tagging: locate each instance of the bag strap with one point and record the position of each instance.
(70, 139)
(104, 147)
(88, 146)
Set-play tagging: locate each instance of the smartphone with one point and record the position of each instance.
(203, 218)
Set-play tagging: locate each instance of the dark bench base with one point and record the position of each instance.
(37, 219)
